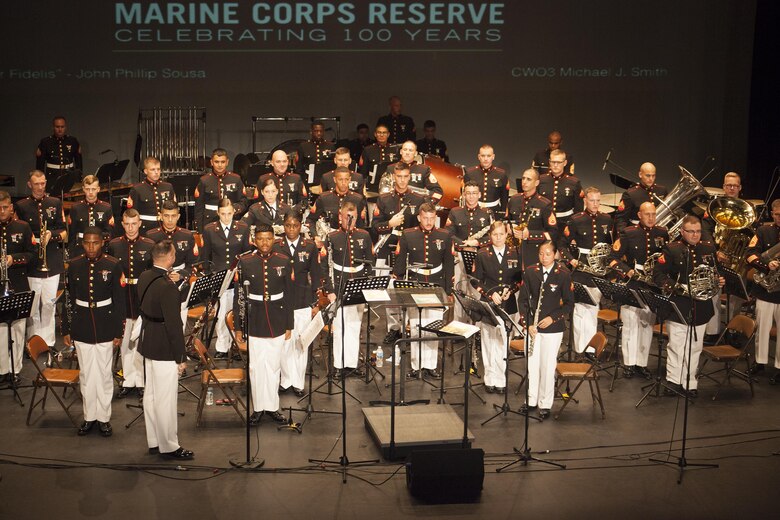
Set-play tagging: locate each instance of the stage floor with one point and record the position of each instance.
(48, 470)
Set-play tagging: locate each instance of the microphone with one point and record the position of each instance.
(606, 161)
(473, 280)
(362, 261)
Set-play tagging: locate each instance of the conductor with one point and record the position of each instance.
(162, 346)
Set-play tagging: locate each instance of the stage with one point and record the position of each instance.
(48, 470)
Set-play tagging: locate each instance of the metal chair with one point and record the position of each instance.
(226, 379)
(730, 355)
(51, 378)
(586, 370)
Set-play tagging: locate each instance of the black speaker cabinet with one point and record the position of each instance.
(446, 475)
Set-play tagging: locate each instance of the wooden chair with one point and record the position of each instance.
(226, 379)
(730, 355)
(51, 378)
(583, 371)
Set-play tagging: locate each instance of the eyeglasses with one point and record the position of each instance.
(557, 162)
(692, 231)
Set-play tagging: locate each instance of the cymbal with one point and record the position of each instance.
(611, 199)
(317, 190)
(372, 194)
(700, 204)
(755, 202)
(606, 209)
(715, 192)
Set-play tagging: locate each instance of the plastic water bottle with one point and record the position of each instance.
(380, 357)
(209, 397)
(397, 356)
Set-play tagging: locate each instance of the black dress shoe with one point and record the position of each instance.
(501, 390)
(254, 419)
(283, 390)
(357, 372)
(711, 339)
(180, 454)
(433, 373)
(220, 355)
(643, 372)
(85, 427)
(755, 368)
(105, 429)
(693, 393)
(525, 408)
(544, 413)
(124, 392)
(628, 372)
(490, 389)
(775, 379)
(298, 392)
(140, 393)
(413, 374)
(154, 451)
(276, 417)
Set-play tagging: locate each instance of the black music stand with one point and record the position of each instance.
(65, 181)
(205, 288)
(664, 308)
(354, 295)
(735, 286)
(621, 295)
(15, 307)
(468, 257)
(111, 171)
(415, 285)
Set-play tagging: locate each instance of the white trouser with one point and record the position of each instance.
(393, 315)
(430, 349)
(41, 320)
(637, 335)
(17, 334)
(132, 361)
(677, 353)
(353, 316)
(541, 369)
(585, 322)
(222, 332)
(494, 353)
(160, 402)
(97, 385)
(265, 368)
(766, 314)
(184, 313)
(294, 358)
(713, 326)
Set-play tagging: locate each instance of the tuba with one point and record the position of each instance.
(670, 210)
(598, 260)
(703, 283)
(733, 218)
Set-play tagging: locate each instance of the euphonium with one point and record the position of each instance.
(670, 212)
(733, 218)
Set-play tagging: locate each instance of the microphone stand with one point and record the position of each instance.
(681, 462)
(250, 462)
(343, 460)
(524, 455)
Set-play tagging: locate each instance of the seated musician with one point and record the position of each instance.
(268, 211)
(421, 175)
(327, 206)
(546, 298)
(292, 190)
(425, 254)
(498, 269)
(646, 190)
(492, 180)
(341, 158)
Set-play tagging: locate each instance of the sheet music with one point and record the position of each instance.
(376, 295)
(311, 331)
(226, 282)
(459, 328)
(426, 299)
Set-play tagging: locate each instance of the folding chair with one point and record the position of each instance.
(586, 370)
(226, 379)
(730, 355)
(51, 378)
(236, 347)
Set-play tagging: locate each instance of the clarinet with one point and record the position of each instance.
(330, 264)
(536, 317)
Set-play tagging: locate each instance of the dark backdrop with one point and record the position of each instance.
(667, 82)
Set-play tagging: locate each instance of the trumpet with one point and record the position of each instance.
(42, 248)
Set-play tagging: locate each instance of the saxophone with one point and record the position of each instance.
(384, 238)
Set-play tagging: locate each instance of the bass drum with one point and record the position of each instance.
(449, 176)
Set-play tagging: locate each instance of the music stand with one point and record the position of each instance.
(15, 307)
(468, 257)
(415, 285)
(477, 311)
(367, 284)
(621, 295)
(111, 171)
(735, 286)
(65, 182)
(664, 308)
(205, 288)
